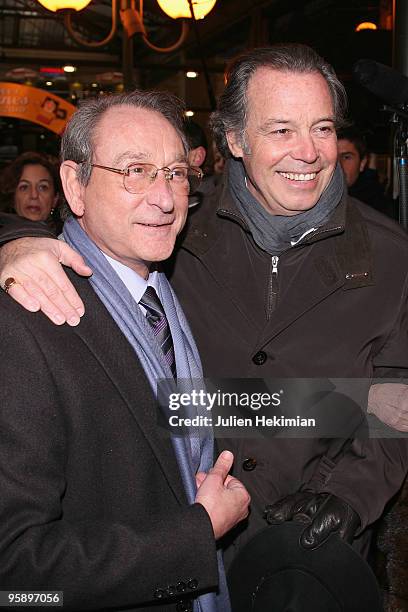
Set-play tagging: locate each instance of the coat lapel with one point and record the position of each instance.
(104, 339)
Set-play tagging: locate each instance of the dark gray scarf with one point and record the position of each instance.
(277, 233)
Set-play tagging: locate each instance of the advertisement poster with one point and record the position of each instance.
(35, 105)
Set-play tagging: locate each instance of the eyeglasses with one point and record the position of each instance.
(138, 178)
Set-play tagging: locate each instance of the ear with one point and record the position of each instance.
(73, 190)
(234, 144)
(363, 163)
(197, 156)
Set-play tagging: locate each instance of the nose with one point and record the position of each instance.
(306, 149)
(160, 194)
(34, 192)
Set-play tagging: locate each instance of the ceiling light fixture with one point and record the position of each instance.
(191, 74)
(68, 68)
(58, 5)
(177, 9)
(366, 25)
(132, 18)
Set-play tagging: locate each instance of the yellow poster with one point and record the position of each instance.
(36, 105)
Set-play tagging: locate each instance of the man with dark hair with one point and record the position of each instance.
(281, 274)
(95, 502)
(197, 155)
(197, 142)
(352, 150)
(362, 181)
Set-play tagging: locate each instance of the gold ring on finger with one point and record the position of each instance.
(8, 283)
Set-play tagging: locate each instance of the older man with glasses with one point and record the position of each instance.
(95, 501)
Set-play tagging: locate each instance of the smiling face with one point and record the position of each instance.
(289, 148)
(35, 194)
(135, 229)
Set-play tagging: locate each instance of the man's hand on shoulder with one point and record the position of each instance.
(41, 283)
(225, 498)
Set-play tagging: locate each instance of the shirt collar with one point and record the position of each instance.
(135, 284)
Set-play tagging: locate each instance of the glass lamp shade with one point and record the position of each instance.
(58, 5)
(181, 8)
(366, 25)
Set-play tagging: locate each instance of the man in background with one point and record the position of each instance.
(362, 180)
(197, 142)
(197, 156)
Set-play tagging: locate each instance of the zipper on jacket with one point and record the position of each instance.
(273, 287)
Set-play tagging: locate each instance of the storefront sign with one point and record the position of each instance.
(36, 105)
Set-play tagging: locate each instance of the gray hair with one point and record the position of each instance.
(77, 142)
(231, 115)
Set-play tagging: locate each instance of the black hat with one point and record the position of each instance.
(273, 573)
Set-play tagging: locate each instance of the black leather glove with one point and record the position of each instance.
(323, 513)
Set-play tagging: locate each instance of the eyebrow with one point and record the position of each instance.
(267, 125)
(180, 158)
(330, 119)
(43, 180)
(130, 156)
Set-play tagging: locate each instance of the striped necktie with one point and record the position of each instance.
(157, 318)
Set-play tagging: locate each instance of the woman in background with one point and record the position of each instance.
(30, 187)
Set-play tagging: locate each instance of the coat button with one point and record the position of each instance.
(186, 605)
(249, 464)
(192, 584)
(171, 590)
(259, 358)
(159, 593)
